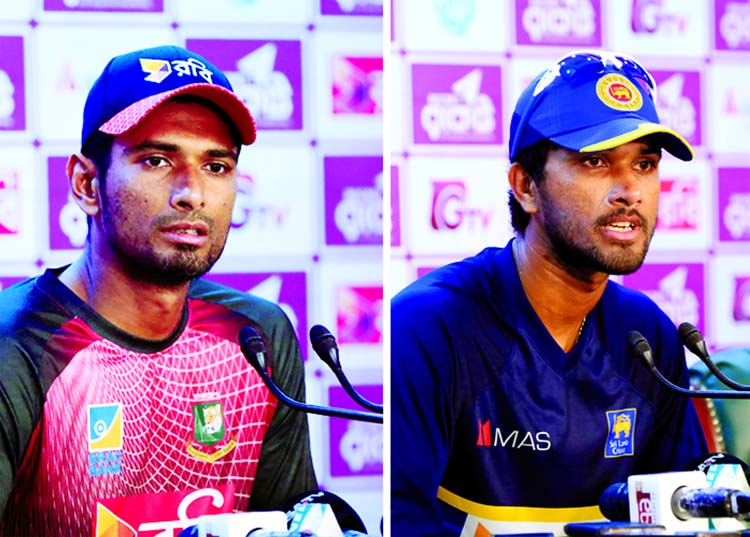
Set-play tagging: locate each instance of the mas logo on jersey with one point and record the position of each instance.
(209, 441)
(621, 436)
(512, 439)
(105, 439)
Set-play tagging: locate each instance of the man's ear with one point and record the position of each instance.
(524, 188)
(84, 183)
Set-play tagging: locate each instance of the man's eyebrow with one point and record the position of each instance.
(173, 148)
(151, 144)
(223, 153)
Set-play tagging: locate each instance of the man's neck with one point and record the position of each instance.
(561, 300)
(142, 309)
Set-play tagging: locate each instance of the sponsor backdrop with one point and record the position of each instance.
(307, 226)
(457, 68)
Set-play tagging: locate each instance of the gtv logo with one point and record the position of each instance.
(450, 209)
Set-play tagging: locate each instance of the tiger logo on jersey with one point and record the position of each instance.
(621, 436)
(210, 440)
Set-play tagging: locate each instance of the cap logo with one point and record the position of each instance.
(618, 92)
(158, 70)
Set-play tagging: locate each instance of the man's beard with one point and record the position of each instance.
(574, 250)
(143, 263)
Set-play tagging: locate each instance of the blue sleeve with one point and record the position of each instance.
(422, 414)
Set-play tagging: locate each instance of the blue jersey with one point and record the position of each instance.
(495, 429)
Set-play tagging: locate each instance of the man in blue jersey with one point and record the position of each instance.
(515, 401)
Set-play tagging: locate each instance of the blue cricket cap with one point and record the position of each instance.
(591, 101)
(134, 84)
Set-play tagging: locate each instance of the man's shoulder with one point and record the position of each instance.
(241, 302)
(20, 301)
(459, 281)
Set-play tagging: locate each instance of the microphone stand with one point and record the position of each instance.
(640, 348)
(693, 340)
(253, 348)
(324, 345)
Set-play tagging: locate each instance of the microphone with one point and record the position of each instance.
(252, 346)
(640, 349)
(693, 340)
(345, 516)
(324, 345)
(685, 502)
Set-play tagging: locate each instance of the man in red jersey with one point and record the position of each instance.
(122, 382)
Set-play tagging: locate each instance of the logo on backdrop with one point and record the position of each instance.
(357, 85)
(679, 292)
(353, 200)
(11, 204)
(733, 28)
(12, 84)
(679, 102)
(734, 204)
(679, 204)
(135, 6)
(455, 15)
(652, 16)
(265, 74)
(352, 7)
(558, 22)
(356, 447)
(741, 309)
(621, 436)
(451, 210)
(453, 104)
(359, 314)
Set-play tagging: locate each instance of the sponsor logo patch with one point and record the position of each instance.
(621, 436)
(105, 439)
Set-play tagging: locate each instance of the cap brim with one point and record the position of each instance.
(238, 113)
(622, 131)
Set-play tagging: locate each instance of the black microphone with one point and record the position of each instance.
(640, 348)
(254, 349)
(693, 340)
(324, 345)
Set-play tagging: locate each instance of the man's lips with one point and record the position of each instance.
(190, 233)
(622, 227)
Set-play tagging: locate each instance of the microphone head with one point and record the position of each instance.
(250, 339)
(253, 348)
(613, 503)
(692, 339)
(321, 337)
(640, 348)
(324, 345)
